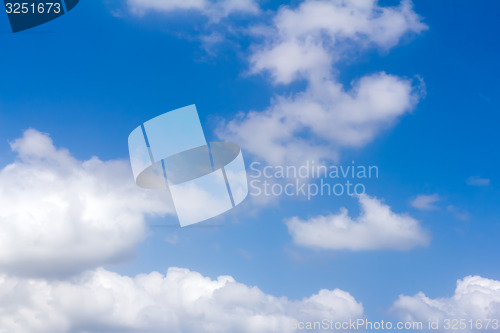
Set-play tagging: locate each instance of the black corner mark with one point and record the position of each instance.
(26, 14)
(70, 4)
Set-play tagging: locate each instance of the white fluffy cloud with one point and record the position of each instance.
(180, 301)
(305, 43)
(215, 10)
(426, 202)
(60, 215)
(475, 298)
(314, 124)
(376, 228)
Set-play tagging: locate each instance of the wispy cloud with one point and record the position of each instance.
(214, 10)
(172, 239)
(478, 181)
(459, 214)
(305, 43)
(426, 202)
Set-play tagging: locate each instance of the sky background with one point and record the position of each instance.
(90, 77)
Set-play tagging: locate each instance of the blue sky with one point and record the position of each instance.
(90, 77)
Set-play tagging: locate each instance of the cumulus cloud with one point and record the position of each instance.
(376, 228)
(426, 202)
(314, 124)
(475, 298)
(305, 43)
(215, 10)
(60, 215)
(180, 301)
